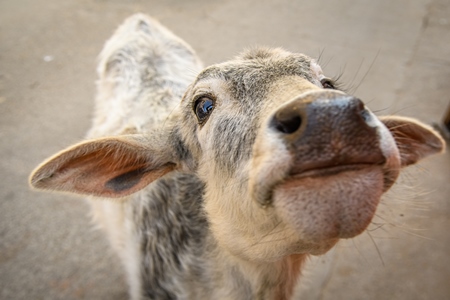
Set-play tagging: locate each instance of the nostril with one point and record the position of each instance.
(365, 115)
(361, 109)
(359, 104)
(287, 121)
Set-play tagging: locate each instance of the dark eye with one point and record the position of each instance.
(327, 83)
(203, 108)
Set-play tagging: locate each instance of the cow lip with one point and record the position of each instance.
(315, 173)
(324, 171)
(263, 193)
(332, 202)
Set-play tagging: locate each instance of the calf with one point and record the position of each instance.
(228, 178)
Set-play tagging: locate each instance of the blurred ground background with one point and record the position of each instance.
(395, 55)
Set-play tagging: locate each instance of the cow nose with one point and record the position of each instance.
(325, 129)
(323, 109)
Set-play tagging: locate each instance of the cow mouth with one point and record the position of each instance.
(325, 171)
(330, 203)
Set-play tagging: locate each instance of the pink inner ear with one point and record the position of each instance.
(105, 168)
(133, 181)
(125, 181)
(110, 176)
(414, 139)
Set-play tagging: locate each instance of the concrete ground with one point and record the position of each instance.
(393, 54)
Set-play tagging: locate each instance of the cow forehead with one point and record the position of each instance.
(251, 74)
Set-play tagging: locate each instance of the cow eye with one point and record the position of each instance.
(203, 107)
(328, 84)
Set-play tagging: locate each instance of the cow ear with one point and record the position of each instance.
(414, 139)
(107, 167)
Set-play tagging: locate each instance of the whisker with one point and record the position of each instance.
(367, 72)
(376, 247)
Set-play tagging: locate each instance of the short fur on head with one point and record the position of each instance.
(232, 177)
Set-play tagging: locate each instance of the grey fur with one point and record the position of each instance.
(172, 233)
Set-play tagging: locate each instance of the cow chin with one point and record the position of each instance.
(323, 209)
